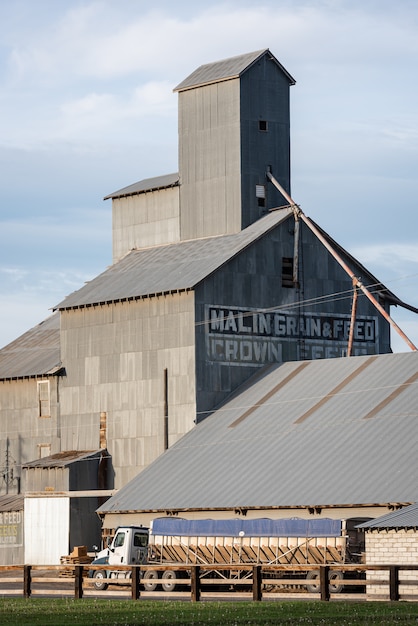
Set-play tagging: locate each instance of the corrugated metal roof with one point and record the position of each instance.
(403, 518)
(301, 434)
(62, 459)
(148, 184)
(35, 353)
(227, 69)
(167, 268)
(11, 503)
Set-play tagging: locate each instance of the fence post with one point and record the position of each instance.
(136, 577)
(27, 580)
(78, 581)
(257, 583)
(195, 583)
(394, 583)
(324, 582)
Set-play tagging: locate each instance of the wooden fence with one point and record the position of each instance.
(255, 579)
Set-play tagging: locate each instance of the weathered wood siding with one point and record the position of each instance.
(115, 358)
(145, 219)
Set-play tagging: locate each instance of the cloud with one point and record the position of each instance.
(86, 107)
(92, 67)
(390, 254)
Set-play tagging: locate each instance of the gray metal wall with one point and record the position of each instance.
(85, 525)
(22, 431)
(264, 96)
(210, 160)
(223, 154)
(41, 479)
(145, 219)
(251, 320)
(115, 357)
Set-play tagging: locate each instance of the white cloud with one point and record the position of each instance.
(95, 65)
(86, 92)
(389, 255)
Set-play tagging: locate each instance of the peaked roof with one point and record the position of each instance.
(406, 517)
(35, 353)
(148, 184)
(227, 69)
(171, 267)
(335, 432)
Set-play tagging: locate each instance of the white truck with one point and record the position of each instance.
(175, 541)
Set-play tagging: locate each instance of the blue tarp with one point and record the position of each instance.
(263, 527)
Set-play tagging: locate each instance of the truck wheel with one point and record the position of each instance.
(169, 580)
(150, 580)
(314, 576)
(100, 576)
(335, 581)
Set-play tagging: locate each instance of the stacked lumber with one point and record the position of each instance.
(78, 556)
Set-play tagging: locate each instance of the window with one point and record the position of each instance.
(263, 126)
(119, 541)
(140, 540)
(44, 450)
(260, 194)
(44, 401)
(287, 272)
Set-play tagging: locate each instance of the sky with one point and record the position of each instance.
(87, 107)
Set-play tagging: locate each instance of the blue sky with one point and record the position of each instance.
(87, 107)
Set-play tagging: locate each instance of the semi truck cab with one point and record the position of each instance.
(128, 547)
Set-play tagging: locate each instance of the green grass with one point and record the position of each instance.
(90, 612)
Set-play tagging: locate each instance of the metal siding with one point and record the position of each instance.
(143, 220)
(47, 528)
(252, 281)
(85, 525)
(209, 156)
(335, 457)
(264, 96)
(22, 430)
(129, 386)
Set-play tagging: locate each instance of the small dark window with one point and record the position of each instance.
(262, 125)
(287, 272)
(261, 201)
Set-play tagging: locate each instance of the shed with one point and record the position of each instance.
(62, 487)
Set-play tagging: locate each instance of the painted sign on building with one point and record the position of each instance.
(253, 336)
(11, 528)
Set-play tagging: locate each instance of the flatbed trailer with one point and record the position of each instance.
(218, 543)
